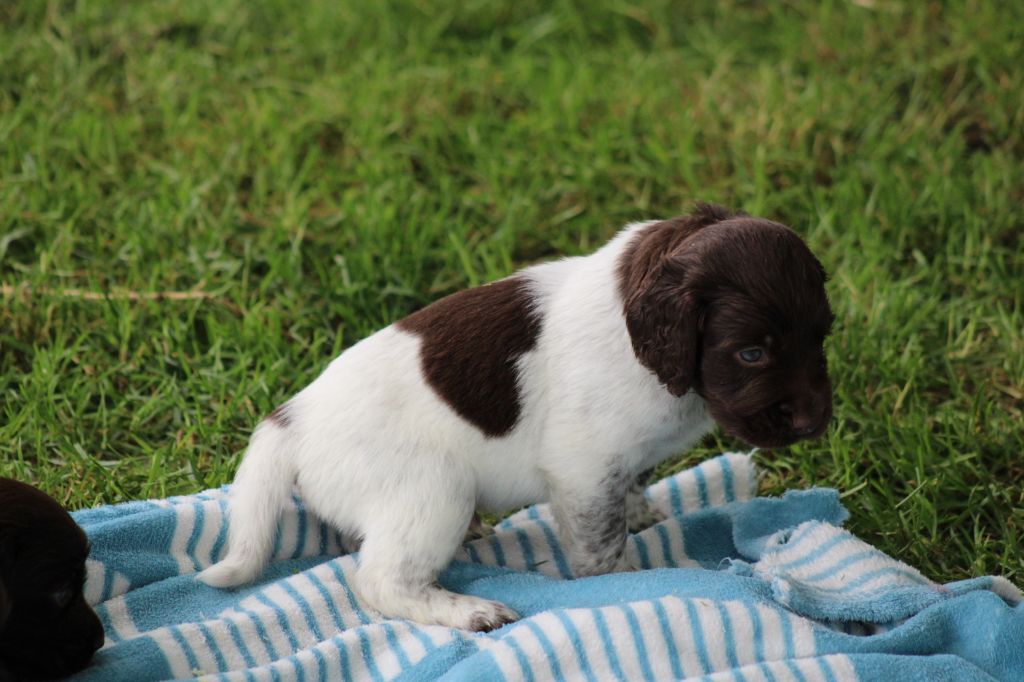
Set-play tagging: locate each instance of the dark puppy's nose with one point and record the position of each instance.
(803, 422)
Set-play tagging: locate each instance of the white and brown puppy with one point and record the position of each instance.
(559, 383)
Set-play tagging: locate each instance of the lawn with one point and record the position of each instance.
(300, 175)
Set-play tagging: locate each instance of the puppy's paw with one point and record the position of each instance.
(490, 616)
(228, 574)
(639, 512)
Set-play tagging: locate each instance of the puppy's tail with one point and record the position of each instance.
(258, 495)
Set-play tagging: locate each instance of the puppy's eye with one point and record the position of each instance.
(751, 355)
(62, 597)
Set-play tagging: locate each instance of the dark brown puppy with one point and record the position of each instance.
(47, 630)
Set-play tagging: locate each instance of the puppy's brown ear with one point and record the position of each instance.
(664, 323)
(5, 607)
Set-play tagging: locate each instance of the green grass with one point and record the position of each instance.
(318, 173)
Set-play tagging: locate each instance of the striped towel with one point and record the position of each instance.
(740, 588)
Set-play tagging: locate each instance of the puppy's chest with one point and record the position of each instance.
(666, 430)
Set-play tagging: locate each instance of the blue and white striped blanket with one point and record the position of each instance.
(740, 588)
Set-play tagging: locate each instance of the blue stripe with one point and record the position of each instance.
(321, 664)
(281, 620)
(702, 486)
(193, 662)
(577, 643)
(609, 646)
(674, 496)
(421, 636)
(524, 662)
(666, 546)
(474, 556)
(307, 612)
(108, 582)
(641, 550)
(728, 484)
(277, 539)
(844, 562)
(698, 636)
(499, 553)
(325, 593)
(826, 669)
(814, 553)
(343, 662)
(222, 534)
(236, 635)
(556, 549)
(728, 635)
(389, 632)
(871, 575)
(527, 547)
(364, 647)
(340, 575)
(670, 644)
(638, 638)
(222, 664)
(787, 632)
(755, 620)
(300, 544)
(549, 650)
(197, 530)
(262, 632)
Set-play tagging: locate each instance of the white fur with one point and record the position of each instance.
(376, 452)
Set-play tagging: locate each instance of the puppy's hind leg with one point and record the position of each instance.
(408, 543)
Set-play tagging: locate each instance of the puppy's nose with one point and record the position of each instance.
(804, 422)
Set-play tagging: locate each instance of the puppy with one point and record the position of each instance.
(561, 382)
(47, 630)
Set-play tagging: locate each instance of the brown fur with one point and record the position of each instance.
(471, 342)
(42, 555)
(699, 289)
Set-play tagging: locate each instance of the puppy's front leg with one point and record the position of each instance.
(591, 514)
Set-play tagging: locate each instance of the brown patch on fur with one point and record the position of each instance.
(471, 342)
(699, 290)
(661, 320)
(280, 416)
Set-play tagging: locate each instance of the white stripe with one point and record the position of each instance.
(561, 643)
(654, 639)
(677, 544)
(621, 634)
(714, 633)
(409, 642)
(531, 647)
(200, 648)
(780, 671)
(714, 482)
(175, 656)
(507, 661)
(119, 585)
(211, 527)
(597, 654)
(842, 668)
(289, 531)
(120, 620)
(771, 633)
(742, 632)
(267, 617)
(185, 519)
(682, 635)
(688, 491)
(803, 636)
(95, 572)
(381, 652)
(226, 644)
(246, 627)
(293, 615)
(810, 669)
(320, 608)
(744, 477)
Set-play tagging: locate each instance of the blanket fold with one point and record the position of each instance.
(734, 588)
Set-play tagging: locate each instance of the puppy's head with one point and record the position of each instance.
(735, 308)
(47, 629)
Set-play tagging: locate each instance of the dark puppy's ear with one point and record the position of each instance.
(5, 606)
(663, 324)
(662, 313)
